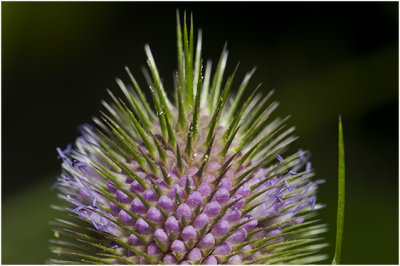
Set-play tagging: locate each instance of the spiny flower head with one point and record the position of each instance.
(199, 181)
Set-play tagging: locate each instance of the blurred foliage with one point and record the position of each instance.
(323, 59)
(25, 224)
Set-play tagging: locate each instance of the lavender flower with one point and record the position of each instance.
(195, 182)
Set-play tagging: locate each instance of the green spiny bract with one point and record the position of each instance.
(195, 182)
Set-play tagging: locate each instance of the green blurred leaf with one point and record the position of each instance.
(25, 224)
(341, 198)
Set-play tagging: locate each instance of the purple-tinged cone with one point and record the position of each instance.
(197, 182)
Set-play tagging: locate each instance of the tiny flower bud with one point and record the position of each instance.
(161, 235)
(195, 254)
(154, 215)
(204, 189)
(223, 249)
(169, 259)
(178, 246)
(207, 241)
(126, 218)
(166, 203)
(184, 210)
(194, 199)
(210, 260)
(189, 233)
(221, 228)
(201, 221)
(212, 209)
(143, 227)
(172, 224)
(138, 206)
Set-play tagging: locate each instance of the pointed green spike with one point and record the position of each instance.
(301, 253)
(242, 88)
(251, 198)
(267, 138)
(341, 197)
(111, 134)
(197, 65)
(178, 199)
(279, 141)
(131, 248)
(257, 241)
(117, 103)
(188, 65)
(86, 257)
(234, 123)
(111, 109)
(122, 166)
(191, 54)
(109, 175)
(228, 143)
(142, 133)
(140, 94)
(156, 187)
(196, 115)
(306, 260)
(112, 124)
(217, 80)
(105, 141)
(193, 128)
(101, 188)
(191, 39)
(179, 158)
(189, 143)
(249, 209)
(76, 246)
(284, 251)
(293, 228)
(206, 85)
(220, 105)
(164, 102)
(310, 230)
(260, 124)
(171, 134)
(292, 205)
(181, 110)
(187, 186)
(160, 149)
(117, 257)
(136, 107)
(161, 117)
(271, 227)
(223, 210)
(181, 69)
(248, 153)
(166, 176)
(254, 113)
(239, 181)
(221, 175)
(227, 164)
(253, 187)
(149, 162)
(126, 141)
(205, 159)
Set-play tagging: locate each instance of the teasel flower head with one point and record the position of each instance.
(204, 179)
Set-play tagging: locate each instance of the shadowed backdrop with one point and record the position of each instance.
(323, 59)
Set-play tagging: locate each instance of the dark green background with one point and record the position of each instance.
(323, 59)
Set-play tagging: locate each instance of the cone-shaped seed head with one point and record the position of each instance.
(202, 179)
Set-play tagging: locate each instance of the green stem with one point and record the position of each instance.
(341, 197)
